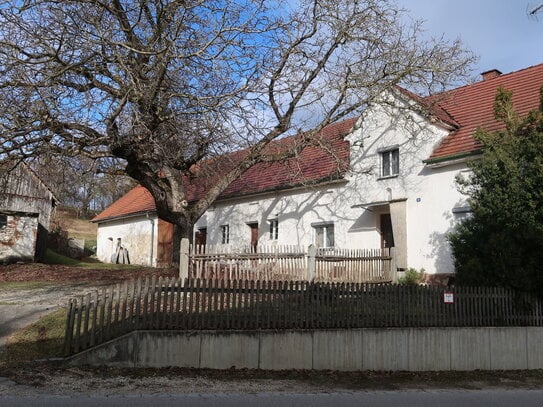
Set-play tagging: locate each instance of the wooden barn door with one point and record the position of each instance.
(165, 244)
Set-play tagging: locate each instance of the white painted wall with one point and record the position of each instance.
(431, 195)
(138, 235)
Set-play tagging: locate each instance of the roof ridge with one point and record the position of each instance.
(501, 76)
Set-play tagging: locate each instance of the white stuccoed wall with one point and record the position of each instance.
(430, 195)
(138, 235)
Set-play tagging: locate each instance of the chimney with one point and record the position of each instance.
(493, 73)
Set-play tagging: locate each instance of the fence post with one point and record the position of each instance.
(311, 262)
(184, 259)
(393, 268)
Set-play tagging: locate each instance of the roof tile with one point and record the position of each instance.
(472, 107)
(313, 164)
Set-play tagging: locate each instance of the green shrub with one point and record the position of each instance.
(412, 277)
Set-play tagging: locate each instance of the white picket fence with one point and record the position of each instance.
(287, 263)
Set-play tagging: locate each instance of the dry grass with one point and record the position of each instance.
(75, 227)
(40, 340)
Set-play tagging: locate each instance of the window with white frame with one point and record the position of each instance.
(390, 162)
(324, 234)
(225, 234)
(274, 229)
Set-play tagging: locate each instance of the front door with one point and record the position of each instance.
(200, 237)
(200, 240)
(387, 237)
(254, 236)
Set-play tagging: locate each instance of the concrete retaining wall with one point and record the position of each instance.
(406, 349)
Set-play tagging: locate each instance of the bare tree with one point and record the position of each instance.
(167, 86)
(80, 182)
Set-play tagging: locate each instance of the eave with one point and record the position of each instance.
(452, 159)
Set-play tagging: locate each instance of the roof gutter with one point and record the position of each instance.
(453, 159)
(126, 216)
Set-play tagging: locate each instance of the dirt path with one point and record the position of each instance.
(51, 287)
(22, 307)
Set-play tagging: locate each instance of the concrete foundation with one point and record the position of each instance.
(392, 349)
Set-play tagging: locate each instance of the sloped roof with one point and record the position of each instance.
(472, 107)
(326, 159)
(137, 200)
(464, 109)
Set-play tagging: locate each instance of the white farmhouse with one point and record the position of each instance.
(381, 180)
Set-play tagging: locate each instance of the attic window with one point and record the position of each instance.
(3, 221)
(390, 162)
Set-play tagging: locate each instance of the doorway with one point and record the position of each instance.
(254, 236)
(200, 237)
(387, 237)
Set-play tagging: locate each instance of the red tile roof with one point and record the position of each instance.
(314, 164)
(472, 107)
(137, 200)
(465, 109)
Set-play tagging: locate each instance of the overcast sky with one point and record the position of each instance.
(500, 32)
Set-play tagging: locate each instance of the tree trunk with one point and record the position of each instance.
(183, 230)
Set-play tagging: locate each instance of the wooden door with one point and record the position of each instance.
(164, 254)
(387, 237)
(254, 236)
(200, 237)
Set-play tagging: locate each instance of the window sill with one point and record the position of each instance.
(388, 177)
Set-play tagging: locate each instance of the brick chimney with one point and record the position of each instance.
(493, 73)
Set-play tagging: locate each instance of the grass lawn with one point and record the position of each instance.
(52, 257)
(22, 285)
(40, 340)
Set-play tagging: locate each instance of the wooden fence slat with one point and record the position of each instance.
(85, 333)
(70, 319)
(250, 304)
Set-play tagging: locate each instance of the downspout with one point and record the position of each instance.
(152, 238)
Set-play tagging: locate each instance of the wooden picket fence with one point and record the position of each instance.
(290, 263)
(194, 304)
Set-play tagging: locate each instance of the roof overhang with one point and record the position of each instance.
(453, 159)
(375, 204)
(19, 213)
(126, 216)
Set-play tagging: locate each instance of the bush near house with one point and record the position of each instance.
(412, 276)
(502, 242)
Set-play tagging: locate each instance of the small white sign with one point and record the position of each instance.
(448, 297)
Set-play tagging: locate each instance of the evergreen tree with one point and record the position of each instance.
(502, 242)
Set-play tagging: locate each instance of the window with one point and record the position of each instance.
(461, 213)
(225, 234)
(3, 221)
(324, 235)
(390, 162)
(274, 229)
